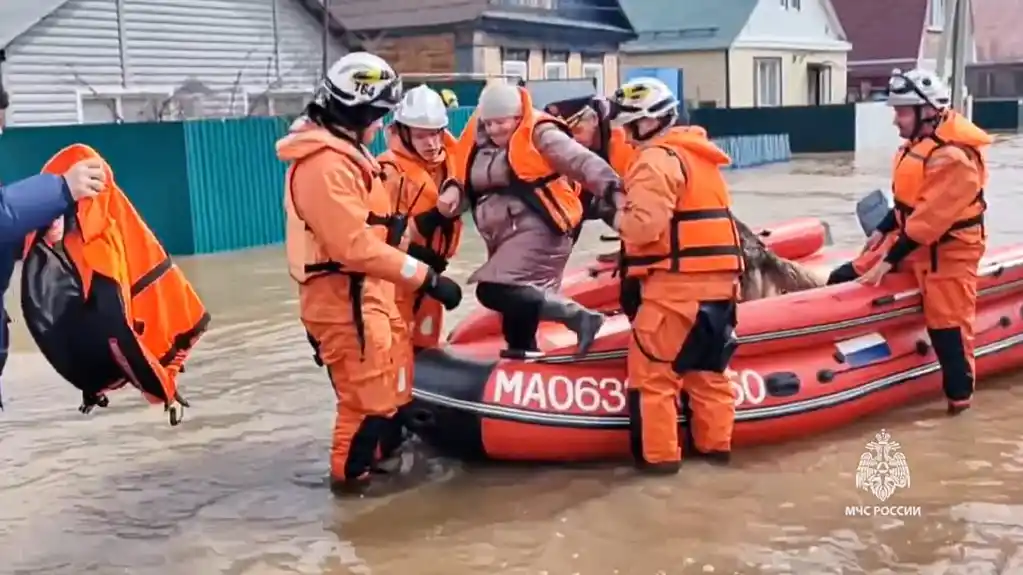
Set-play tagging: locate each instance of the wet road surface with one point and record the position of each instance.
(237, 489)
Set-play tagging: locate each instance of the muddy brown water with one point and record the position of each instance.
(235, 490)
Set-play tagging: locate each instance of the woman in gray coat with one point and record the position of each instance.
(527, 256)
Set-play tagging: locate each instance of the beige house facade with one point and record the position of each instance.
(732, 55)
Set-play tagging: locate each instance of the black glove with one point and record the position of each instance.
(428, 222)
(612, 193)
(443, 289)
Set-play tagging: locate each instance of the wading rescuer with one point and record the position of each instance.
(341, 238)
(936, 229)
(680, 240)
(421, 160)
(31, 204)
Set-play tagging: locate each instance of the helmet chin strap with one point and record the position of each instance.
(920, 122)
(662, 123)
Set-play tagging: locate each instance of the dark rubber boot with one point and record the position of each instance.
(584, 322)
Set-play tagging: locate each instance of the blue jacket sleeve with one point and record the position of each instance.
(30, 204)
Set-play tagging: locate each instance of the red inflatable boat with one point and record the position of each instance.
(809, 362)
(596, 286)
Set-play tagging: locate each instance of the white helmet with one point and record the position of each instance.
(359, 89)
(423, 108)
(918, 87)
(643, 98)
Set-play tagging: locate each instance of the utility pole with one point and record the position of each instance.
(325, 40)
(956, 40)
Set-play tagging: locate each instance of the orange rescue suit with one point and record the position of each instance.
(938, 184)
(550, 195)
(414, 187)
(681, 242)
(340, 241)
(107, 306)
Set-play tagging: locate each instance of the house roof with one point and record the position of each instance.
(376, 15)
(997, 37)
(882, 29)
(17, 16)
(358, 15)
(675, 26)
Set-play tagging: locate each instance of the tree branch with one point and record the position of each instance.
(98, 96)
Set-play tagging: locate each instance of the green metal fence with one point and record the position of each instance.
(149, 162)
(213, 185)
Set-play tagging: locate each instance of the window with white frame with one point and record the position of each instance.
(515, 63)
(936, 16)
(791, 4)
(593, 68)
(767, 82)
(144, 107)
(277, 103)
(102, 108)
(555, 65)
(98, 109)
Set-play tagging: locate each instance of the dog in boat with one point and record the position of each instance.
(768, 275)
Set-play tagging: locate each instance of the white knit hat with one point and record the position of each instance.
(499, 101)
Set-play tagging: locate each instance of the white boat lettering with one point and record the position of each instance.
(560, 393)
(748, 386)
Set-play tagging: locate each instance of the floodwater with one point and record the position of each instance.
(236, 489)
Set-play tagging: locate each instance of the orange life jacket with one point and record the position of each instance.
(308, 259)
(702, 236)
(108, 306)
(547, 193)
(441, 243)
(909, 170)
(618, 152)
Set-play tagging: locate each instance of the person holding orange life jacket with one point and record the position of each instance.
(342, 239)
(520, 168)
(680, 240)
(104, 302)
(420, 162)
(936, 228)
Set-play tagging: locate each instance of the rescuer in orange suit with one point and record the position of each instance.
(938, 220)
(420, 161)
(341, 233)
(680, 240)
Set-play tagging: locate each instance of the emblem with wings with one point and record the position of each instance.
(883, 467)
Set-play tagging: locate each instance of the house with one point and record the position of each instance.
(531, 39)
(998, 70)
(72, 61)
(740, 53)
(887, 35)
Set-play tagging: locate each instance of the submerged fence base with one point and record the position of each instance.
(215, 185)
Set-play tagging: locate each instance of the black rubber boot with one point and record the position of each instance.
(584, 322)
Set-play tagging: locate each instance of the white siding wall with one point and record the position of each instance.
(217, 57)
(74, 48)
